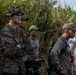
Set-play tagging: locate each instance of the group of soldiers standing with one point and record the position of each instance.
(17, 51)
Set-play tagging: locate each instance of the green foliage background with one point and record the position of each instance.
(42, 14)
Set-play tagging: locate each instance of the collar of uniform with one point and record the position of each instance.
(10, 27)
(65, 40)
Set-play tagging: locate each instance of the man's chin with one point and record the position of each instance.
(72, 37)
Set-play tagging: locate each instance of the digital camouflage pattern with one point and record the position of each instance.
(13, 54)
(14, 9)
(1, 55)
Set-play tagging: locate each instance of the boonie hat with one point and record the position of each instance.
(13, 10)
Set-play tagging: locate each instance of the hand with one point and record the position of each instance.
(64, 72)
(18, 46)
(21, 46)
(37, 60)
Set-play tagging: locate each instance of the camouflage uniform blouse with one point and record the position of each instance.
(13, 54)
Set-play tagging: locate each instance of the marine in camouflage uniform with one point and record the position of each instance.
(21, 27)
(1, 55)
(13, 43)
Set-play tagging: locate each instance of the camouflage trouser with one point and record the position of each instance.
(10, 74)
(32, 68)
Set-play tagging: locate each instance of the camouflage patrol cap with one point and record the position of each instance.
(71, 26)
(24, 18)
(33, 27)
(13, 10)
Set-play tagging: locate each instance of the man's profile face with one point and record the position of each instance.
(71, 33)
(34, 33)
(22, 24)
